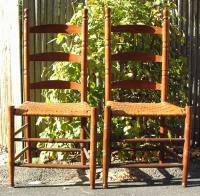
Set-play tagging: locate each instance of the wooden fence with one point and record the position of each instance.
(60, 11)
(45, 12)
(10, 82)
(190, 10)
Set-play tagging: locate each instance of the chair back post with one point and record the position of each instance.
(164, 56)
(26, 55)
(107, 55)
(84, 56)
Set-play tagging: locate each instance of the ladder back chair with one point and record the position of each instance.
(159, 110)
(28, 108)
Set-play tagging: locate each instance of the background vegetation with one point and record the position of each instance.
(123, 12)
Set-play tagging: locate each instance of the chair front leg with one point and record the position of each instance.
(186, 148)
(93, 146)
(106, 145)
(11, 151)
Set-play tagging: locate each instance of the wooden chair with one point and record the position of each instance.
(158, 110)
(28, 108)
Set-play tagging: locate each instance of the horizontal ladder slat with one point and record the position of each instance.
(51, 140)
(53, 166)
(55, 56)
(136, 84)
(144, 29)
(56, 84)
(152, 140)
(136, 56)
(147, 165)
(55, 28)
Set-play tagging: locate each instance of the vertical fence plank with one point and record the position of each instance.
(196, 132)
(10, 83)
(38, 49)
(197, 142)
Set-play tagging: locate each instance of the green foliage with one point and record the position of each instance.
(123, 12)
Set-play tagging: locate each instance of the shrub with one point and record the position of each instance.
(123, 12)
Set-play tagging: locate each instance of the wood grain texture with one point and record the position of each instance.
(56, 84)
(165, 140)
(26, 70)
(11, 150)
(30, 109)
(74, 166)
(158, 110)
(135, 84)
(93, 146)
(144, 29)
(147, 165)
(164, 57)
(52, 140)
(186, 148)
(107, 55)
(84, 46)
(26, 60)
(55, 28)
(55, 56)
(82, 136)
(106, 144)
(57, 149)
(136, 56)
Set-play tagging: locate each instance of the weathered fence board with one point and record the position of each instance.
(10, 83)
(190, 10)
(60, 11)
(44, 12)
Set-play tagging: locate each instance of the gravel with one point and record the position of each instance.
(42, 176)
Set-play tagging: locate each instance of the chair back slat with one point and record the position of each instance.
(143, 29)
(55, 56)
(136, 84)
(136, 56)
(55, 28)
(56, 84)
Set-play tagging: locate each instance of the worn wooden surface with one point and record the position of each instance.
(43, 12)
(10, 82)
(162, 109)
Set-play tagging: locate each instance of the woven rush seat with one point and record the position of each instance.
(145, 109)
(53, 109)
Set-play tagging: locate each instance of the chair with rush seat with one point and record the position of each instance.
(28, 108)
(161, 110)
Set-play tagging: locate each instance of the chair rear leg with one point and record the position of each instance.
(11, 153)
(82, 136)
(106, 145)
(93, 146)
(162, 134)
(28, 135)
(186, 148)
